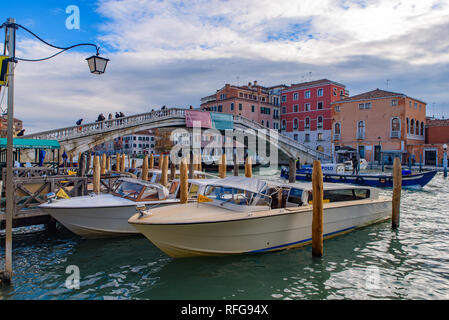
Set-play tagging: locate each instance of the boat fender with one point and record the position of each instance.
(359, 180)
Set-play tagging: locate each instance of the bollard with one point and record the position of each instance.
(317, 208)
(184, 182)
(144, 175)
(164, 168)
(151, 164)
(397, 186)
(96, 175)
(291, 170)
(103, 164)
(248, 167)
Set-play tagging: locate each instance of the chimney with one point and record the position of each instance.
(249, 84)
(255, 82)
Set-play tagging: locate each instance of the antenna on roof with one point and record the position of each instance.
(238, 81)
(388, 80)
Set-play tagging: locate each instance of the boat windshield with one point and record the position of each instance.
(128, 189)
(337, 195)
(237, 196)
(150, 193)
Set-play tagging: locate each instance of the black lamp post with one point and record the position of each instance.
(97, 65)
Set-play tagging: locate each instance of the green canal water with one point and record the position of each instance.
(375, 262)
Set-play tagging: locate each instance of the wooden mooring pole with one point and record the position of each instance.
(184, 182)
(191, 166)
(397, 186)
(236, 165)
(108, 164)
(317, 209)
(96, 174)
(103, 164)
(151, 164)
(248, 167)
(144, 175)
(292, 170)
(164, 168)
(222, 166)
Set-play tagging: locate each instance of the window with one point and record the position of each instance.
(295, 96)
(240, 106)
(319, 136)
(395, 125)
(361, 129)
(220, 108)
(361, 106)
(241, 95)
(284, 110)
(307, 137)
(337, 128)
(307, 94)
(307, 123)
(252, 108)
(262, 122)
(284, 98)
(422, 128)
(319, 105)
(223, 96)
(284, 124)
(394, 103)
(408, 125)
(320, 122)
(416, 105)
(337, 108)
(307, 107)
(412, 126)
(232, 106)
(295, 108)
(295, 124)
(295, 137)
(335, 91)
(319, 92)
(268, 124)
(417, 127)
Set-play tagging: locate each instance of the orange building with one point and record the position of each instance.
(379, 124)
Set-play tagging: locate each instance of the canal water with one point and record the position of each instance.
(375, 262)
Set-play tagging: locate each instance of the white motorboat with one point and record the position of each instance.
(246, 215)
(105, 215)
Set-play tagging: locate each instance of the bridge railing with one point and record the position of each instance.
(107, 125)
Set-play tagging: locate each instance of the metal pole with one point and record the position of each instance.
(7, 276)
(445, 163)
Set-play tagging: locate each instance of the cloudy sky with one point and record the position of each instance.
(175, 52)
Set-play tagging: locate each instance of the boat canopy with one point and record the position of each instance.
(243, 183)
(162, 191)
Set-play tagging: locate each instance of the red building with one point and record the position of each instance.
(306, 113)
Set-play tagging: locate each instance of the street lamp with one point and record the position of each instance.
(97, 65)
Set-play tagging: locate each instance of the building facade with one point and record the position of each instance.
(254, 102)
(17, 126)
(306, 114)
(379, 124)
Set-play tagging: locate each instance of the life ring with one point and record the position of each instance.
(359, 180)
(382, 180)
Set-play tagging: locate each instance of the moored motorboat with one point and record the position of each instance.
(102, 215)
(246, 215)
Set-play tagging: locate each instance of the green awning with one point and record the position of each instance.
(31, 143)
(222, 121)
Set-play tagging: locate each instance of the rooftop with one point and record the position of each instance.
(374, 94)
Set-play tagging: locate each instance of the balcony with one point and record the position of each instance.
(336, 136)
(360, 135)
(395, 134)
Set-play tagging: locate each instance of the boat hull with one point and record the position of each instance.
(379, 181)
(281, 230)
(97, 222)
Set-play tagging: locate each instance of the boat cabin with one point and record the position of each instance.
(139, 190)
(195, 187)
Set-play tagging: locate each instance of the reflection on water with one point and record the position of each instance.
(375, 262)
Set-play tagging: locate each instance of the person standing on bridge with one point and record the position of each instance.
(78, 123)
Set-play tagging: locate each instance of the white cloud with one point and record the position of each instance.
(175, 52)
